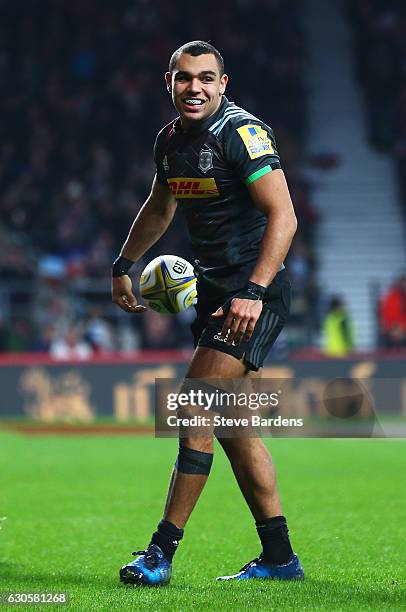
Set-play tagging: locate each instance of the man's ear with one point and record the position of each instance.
(168, 81)
(223, 83)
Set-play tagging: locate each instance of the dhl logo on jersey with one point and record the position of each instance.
(182, 187)
(256, 140)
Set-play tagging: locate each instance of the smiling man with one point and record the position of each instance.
(197, 84)
(219, 163)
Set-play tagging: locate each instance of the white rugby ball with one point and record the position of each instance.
(168, 284)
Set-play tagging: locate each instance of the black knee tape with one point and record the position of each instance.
(192, 461)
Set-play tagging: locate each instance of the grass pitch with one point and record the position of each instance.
(76, 508)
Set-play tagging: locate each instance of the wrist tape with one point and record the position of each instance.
(121, 266)
(252, 291)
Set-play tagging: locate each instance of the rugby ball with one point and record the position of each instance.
(168, 284)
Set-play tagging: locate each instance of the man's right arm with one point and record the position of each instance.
(151, 222)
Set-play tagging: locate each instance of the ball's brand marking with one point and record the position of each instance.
(179, 267)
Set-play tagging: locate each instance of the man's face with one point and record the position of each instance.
(196, 87)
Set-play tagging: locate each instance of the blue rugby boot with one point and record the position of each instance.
(151, 568)
(257, 568)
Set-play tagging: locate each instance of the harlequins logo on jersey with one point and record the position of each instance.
(205, 160)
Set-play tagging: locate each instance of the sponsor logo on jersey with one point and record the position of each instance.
(205, 160)
(165, 163)
(183, 187)
(256, 140)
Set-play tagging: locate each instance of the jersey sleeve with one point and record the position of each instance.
(159, 158)
(251, 150)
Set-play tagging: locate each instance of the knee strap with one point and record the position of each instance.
(192, 461)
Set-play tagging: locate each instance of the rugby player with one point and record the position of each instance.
(220, 164)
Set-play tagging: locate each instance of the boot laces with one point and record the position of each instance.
(250, 563)
(151, 558)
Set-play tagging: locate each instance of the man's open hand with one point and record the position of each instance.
(122, 294)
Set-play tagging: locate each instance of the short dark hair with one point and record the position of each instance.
(195, 48)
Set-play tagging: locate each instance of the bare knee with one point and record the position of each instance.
(201, 443)
(231, 447)
(243, 449)
(194, 430)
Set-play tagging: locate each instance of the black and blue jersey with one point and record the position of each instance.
(208, 168)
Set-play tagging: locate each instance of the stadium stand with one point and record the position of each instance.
(82, 98)
(380, 29)
(380, 33)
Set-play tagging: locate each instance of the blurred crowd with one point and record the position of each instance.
(81, 99)
(380, 37)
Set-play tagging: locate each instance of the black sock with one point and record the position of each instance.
(274, 537)
(167, 537)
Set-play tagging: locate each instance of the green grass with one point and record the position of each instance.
(77, 506)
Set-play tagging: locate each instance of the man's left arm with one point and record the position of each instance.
(270, 195)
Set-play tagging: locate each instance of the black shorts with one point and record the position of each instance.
(206, 329)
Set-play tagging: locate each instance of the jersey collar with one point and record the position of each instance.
(203, 125)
